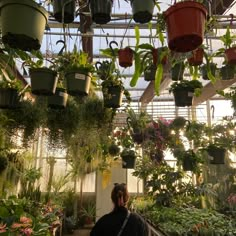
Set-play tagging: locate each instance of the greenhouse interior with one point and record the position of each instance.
(117, 93)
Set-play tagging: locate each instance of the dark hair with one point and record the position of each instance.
(119, 195)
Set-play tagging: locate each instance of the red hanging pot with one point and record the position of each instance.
(230, 55)
(185, 25)
(125, 56)
(156, 53)
(197, 57)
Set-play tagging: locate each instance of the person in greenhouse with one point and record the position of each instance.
(120, 221)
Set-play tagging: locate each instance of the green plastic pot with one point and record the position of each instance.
(9, 98)
(22, 24)
(227, 72)
(69, 10)
(43, 81)
(112, 96)
(77, 84)
(142, 10)
(58, 100)
(101, 10)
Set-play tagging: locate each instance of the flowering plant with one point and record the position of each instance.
(232, 201)
(24, 217)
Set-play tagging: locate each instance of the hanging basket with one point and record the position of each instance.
(128, 159)
(142, 10)
(101, 10)
(204, 70)
(43, 81)
(185, 25)
(77, 84)
(177, 72)
(9, 98)
(22, 24)
(197, 57)
(183, 97)
(230, 55)
(58, 100)
(69, 11)
(112, 96)
(217, 155)
(150, 72)
(227, 72)
(125, 57)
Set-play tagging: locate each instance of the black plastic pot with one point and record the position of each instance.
(128, 160)
(227, 72)
(58, 100)
(69, 11)
(9, 98)
(217, 155)
(101, 10)
(177, 71)
(43, 81)
(183, 97)
(142, 10)
(22, 24)
(204, 70)
(150, 72)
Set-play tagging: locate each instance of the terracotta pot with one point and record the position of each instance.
(156, 52)
(125, 56)
(197, 57)
(230, 55)
(185, 25)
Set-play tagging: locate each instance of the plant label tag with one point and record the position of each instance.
(80, 76)
(190, 94)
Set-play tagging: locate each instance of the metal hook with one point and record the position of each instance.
(231, 19)
(64, 46)
(213, 111)
(98, 63)
(110, 46)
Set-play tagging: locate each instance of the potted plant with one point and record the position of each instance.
(143, 11)
(197, 57)
(112, 85)
(177, 71)
(230, 49)
(43, 78)
(125, 55)
(64, 11)
(182, 35)
(137, 123)
(189, 160)
(184, 91)
(77, 71)
(89, 213)
(149, 59)
(59, 99)
(22, 24)
(101, 10)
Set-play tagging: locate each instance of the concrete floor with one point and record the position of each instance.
(79, 232)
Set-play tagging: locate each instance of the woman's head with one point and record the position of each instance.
(119, 195)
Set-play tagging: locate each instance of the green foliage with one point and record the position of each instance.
(74, 60)
(191, 85)
(137, 122)
(227, 38)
